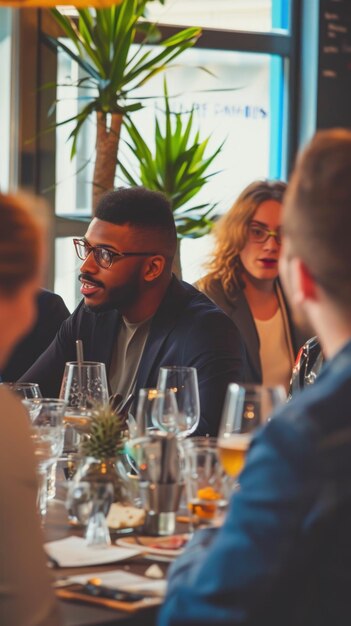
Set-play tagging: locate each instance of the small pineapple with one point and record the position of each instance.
(106, 435)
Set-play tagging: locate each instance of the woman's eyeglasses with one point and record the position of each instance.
(260, 234)
(103, 256)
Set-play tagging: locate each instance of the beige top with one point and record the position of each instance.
(127, 355)
(26, 598)
(274, 351)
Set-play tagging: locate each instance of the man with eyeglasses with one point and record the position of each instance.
(283, 555)
(136, 316)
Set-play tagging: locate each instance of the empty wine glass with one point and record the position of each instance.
(47, 433)
(144, 408)
(84, 386)
(25, 390)
(246, 407)
(179, 409)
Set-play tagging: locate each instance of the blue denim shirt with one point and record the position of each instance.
(283, 556)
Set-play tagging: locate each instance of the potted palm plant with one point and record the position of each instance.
(102, 47)
(178, 164)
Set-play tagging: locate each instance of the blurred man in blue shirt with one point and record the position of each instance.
(283, 555)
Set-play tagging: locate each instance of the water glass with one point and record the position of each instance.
(208, 487)
(88, 503)
(246, 408)
(47, 433)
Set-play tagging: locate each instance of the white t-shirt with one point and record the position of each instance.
(274, 351)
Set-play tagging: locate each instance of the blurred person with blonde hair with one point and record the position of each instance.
(25, 593)
(243, 281)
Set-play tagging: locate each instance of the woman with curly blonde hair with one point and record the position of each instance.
(243, 281)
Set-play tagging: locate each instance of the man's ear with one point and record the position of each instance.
(154, 267)
(306, 284)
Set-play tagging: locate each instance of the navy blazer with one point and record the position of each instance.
(187, 329)
(283, 555)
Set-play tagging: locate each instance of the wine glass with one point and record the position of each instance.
(179, 409)
(246, 407)
(84, 386)
(144, 409)
(25, 390)
(47, 434)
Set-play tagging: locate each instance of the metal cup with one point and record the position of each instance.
(160, 501)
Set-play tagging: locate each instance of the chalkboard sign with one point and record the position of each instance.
(334, 79)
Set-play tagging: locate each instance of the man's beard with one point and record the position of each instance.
(120, 298)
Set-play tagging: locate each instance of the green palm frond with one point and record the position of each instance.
(102, 40)
(177, 165)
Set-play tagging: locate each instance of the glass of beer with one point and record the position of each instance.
(246, 408)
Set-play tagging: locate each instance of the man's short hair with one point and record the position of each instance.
(143, 209)
(317, 212)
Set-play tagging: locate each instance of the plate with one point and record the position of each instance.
(74, 552)
(154, 545)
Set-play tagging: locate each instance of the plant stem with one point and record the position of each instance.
(107, 140)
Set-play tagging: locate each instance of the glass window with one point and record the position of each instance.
(67, 270)
(5, 108)
(247, 15)
(240, 103)
(73, 191)
(233, 105)
(243, 102)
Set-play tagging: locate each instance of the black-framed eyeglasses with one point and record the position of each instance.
(103, 256)
(260, 234)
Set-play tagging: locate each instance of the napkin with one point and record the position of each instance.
(74, 552)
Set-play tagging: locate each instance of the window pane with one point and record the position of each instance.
(73, 177)
(234, 105)
(249, 15)
(5, 82)
(241, 103)
(67, 270)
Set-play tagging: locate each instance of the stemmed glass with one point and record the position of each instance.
(246, 407)
(25, 390)
(178, 410)
(144, 408)
(47, 433)
(84, 386)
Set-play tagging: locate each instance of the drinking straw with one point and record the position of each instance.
(79, 350)
(80, 359)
